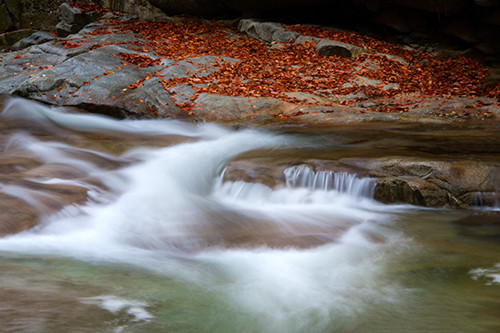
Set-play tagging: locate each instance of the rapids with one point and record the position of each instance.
(130, 226)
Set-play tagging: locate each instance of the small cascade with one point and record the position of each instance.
(487, 200)
(302, 176)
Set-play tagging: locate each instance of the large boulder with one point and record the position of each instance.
(262, 31)
(44, 14)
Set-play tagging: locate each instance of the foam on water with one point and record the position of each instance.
(492, 275)
(115, 305)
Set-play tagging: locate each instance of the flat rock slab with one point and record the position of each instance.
(105, 69)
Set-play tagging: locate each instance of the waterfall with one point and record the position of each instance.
(302, 176)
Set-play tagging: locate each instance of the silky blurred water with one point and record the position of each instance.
(132, 227)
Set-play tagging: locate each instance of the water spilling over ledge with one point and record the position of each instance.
(342, 182)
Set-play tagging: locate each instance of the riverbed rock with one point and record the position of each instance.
(17, 211)
(15, 215)
(410, 190)
(432, 183)
(89, 70)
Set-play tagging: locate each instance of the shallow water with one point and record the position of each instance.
(135, 230)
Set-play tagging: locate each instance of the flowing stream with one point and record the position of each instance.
(131, 226)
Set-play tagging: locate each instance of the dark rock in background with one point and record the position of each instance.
(73, 19)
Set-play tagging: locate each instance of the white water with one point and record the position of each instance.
(116, 305)
(342, 182)
(311, 256)
(492, 274)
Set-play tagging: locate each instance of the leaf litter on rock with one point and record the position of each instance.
(273, 72)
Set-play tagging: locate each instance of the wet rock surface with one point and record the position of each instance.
(434, 183)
